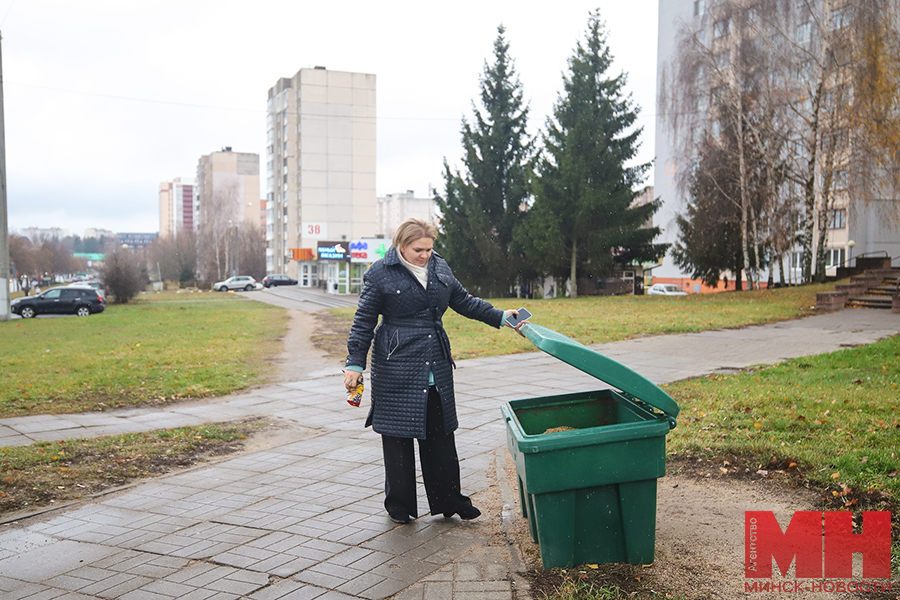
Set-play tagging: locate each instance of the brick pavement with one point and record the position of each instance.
(304, 520)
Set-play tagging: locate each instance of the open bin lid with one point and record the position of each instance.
(605, 369)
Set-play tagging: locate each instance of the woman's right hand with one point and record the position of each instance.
(351, 379)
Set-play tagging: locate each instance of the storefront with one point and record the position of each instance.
(334, 266)
(364, 252)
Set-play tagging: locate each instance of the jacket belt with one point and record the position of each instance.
(424, 320)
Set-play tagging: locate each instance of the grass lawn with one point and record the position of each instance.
(191, 346)
(833, 418)
(596, 319)
(48, 473)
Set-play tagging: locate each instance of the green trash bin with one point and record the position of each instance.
(588, 489)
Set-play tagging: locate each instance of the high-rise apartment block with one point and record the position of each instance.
(227, 189)
(320, 174)
(95, 232)
(803, 44)
(393, 209)
(176, 207)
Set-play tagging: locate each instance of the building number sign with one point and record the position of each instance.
(315, 230)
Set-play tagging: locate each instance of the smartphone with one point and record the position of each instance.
(514, 320)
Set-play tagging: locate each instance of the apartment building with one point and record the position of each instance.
(176, 207)
(94, 232)
(393, 209)
(37, 234)
(853, 227)
(227, 189)
(320, 175)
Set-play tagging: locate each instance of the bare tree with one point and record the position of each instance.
(720, 81)
(175, 257)
(874, 174)
(220, 215)
(810, 87)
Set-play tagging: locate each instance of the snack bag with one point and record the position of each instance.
(355, 395)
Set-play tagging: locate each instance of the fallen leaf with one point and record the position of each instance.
(892, 473)
(593, 566)
(835, 475)
(757, 425)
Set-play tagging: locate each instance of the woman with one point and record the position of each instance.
(412, 379)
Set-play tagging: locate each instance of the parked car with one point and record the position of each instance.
(665, 289)
(93, 284)
(81, 301)
(279, 279)
(238, 282)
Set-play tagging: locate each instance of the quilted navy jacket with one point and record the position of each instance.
(410, 342)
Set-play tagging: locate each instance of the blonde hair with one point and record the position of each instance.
(411, 230)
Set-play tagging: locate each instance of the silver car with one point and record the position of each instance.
(238, 282)
(665, 289)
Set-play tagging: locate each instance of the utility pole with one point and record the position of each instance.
(4, 224)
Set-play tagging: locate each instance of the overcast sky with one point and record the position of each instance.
(105, 99)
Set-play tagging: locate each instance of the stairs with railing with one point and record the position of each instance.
(874, 288)
(878, 296)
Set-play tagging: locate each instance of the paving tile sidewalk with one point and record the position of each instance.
(305, 520)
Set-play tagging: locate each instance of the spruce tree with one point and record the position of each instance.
(482, 204)
(583, 223)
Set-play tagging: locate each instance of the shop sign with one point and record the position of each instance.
(368, 250)
(334, 251)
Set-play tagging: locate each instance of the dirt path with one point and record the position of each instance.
(300, 358)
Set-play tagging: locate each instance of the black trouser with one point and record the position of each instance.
(440, 467)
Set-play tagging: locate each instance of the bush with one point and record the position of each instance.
(122, 274)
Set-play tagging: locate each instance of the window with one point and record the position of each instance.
(721, 28)
(834, 257)
(796, 260)
(837, 219)
(753, 16)
(804, 32)
(698, 8)
(840, 17)
(723, 60)
(841, 178)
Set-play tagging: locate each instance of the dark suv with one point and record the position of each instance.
(279, 279)
(59, 301)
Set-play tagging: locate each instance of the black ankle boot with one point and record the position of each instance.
(400, 518)
(466, 513)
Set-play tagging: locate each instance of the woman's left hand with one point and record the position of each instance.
(518, 327)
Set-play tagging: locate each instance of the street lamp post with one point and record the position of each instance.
(4, 224)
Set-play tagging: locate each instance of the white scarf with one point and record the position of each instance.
(420, 273)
